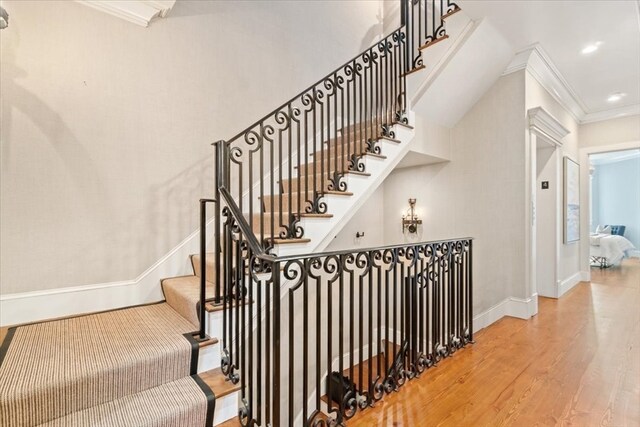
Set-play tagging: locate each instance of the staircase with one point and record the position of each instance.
(275, 317)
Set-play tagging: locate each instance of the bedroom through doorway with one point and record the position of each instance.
(614, 211)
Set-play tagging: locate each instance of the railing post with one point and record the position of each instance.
(470, 290)
(220, 162)
(276, 344)
(203, 265)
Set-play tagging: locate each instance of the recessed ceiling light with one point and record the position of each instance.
(591, 48)
(616, 97)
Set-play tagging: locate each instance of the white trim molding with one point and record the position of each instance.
(546, 126)
(567, 284)
(510, 306)
(28, 307)
(537, 62)
(140, 12)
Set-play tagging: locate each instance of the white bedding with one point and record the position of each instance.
(613, 248)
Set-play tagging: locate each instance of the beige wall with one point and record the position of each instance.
(479, 193)
(106, 126)
(623, 129)
(369, 219)
(538, 96)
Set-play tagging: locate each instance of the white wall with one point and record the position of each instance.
(106, 126)
(616, 186)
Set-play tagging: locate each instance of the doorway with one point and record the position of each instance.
(614, 208)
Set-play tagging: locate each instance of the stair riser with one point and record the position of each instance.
(273, 202)
(210, 267)
(209, 358)
(329, 165)
(267, 222)
(226, 408)
(306, 183)
(373, 125)
(355, 145)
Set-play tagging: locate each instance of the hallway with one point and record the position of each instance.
(577, 363)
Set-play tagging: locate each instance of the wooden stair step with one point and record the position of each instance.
(414, 70)
(211, 307)
(449, 14)
(218, 383)
(432, 42)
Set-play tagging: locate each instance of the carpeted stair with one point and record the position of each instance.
(128, 367)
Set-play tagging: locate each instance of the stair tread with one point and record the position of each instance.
(180, 402)
(432, 42)
(218, 382)
(453, 12)
(212, 308)
(143, 342)
(183, 294)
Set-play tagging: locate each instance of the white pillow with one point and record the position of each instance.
(603, 230)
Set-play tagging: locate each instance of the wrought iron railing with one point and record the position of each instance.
(377, 316)
(381, 315)
(424, 23)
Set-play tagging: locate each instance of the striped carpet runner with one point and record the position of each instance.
(129, 367)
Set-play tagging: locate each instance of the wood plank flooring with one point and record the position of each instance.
(577, 363)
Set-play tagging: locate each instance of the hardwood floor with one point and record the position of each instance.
(577, 363)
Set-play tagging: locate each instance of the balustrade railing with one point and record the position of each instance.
(373, 319)
(314, 338)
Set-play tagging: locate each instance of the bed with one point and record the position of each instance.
(608, 249)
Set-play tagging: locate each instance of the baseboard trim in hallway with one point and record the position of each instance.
(511, 306)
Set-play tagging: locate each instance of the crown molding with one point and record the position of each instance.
(615, 113)
(140, 12)
(537, 62)
(546, 126)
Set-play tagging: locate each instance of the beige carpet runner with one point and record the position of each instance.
(129, 367)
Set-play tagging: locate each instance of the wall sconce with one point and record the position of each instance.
(410, 221)
(4, 19)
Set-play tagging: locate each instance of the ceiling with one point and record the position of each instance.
(564, 29)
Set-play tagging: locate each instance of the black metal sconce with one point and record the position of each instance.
(410, 221)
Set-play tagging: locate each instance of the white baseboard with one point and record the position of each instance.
(511, 306)
(49, 304)
(567, 284)
(634, 254)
